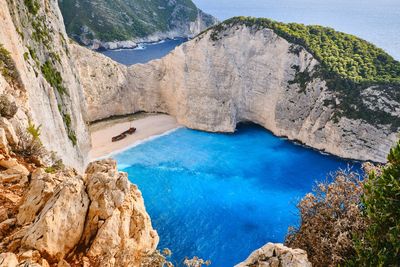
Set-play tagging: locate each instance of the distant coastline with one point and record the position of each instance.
(131, 45)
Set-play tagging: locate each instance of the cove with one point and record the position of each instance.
(145, 52)
(221, 196)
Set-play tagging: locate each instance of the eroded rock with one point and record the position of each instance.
(118, 230)
(41, 188)
(276, 255)
(8, 260)
(57, 229)
(12, 137)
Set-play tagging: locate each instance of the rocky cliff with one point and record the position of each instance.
(41, 78)
(60, 218)
(244, 73)
(52, 214)
(124, 23)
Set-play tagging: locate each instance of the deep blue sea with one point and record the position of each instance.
(221, 196)
(145, 52)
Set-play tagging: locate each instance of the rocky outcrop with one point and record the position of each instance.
(41, 79)
(275, 255)
(61, 217)
(50, 214)
(126, 23)
(53, 215)
(246, 74)
(118, 229)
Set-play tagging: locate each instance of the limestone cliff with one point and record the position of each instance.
(44, 81)
(60, 217)
(51, 213)
(246, 74)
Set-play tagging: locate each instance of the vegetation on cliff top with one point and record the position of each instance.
(347, 63)
(353, 222)
(346, 55)
(124, 19)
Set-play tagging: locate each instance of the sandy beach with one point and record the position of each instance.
(147, 125)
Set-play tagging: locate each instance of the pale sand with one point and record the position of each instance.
(147, 126)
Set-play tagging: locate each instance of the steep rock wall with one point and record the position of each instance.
(33, 36)
(247, 75)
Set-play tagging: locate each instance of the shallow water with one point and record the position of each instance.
(145, 52)
(221, 196)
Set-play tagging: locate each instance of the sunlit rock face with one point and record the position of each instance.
(245, 75)
(33, 37)
(66, 218)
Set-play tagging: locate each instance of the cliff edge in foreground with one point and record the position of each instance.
(60, 217)
(284, 77)
(39, 76)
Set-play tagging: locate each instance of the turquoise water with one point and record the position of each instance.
(220, 196)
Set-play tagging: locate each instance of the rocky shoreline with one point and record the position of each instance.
(56, 210)
(98, 45)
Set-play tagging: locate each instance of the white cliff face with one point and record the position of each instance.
(31, 40)
(244, 76)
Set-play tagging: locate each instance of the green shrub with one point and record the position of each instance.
(33, 130)
(41, 32)
(72, 137)
(53, 77)
(33, 6)
(29, 144)
(8, 68)
(58, 165)
(379, 245)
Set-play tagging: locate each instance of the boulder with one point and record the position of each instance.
(13, 164)
(8, 260)
(58, 228)
(278, 255)
(3, 141)
(30, 255)
(118, 230)
(5, 226)
(41, 189)
(8, 107)
(13, 176)
(12, 137)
